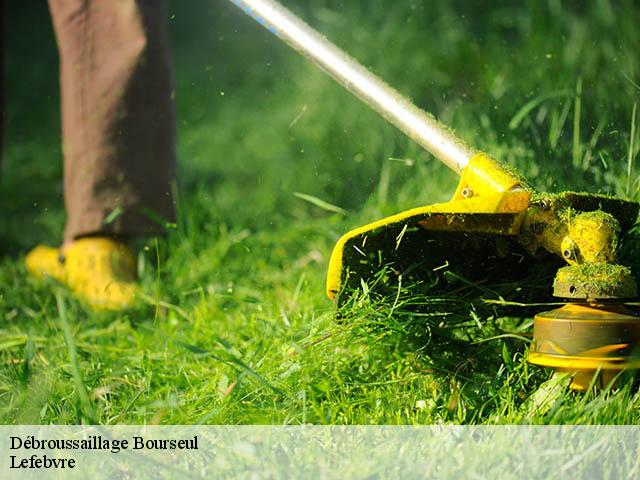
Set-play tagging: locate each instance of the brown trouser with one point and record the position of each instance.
(118, 114)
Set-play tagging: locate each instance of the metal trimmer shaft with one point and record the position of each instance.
(381, 97)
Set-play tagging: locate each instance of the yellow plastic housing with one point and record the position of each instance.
(485, 187)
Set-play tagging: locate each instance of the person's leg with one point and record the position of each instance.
(117, 115)
(118, 142)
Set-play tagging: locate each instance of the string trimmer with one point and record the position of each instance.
(494, 216)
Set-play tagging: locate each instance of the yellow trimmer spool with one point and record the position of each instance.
(593, 341)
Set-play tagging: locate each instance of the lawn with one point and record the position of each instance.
(237, 328)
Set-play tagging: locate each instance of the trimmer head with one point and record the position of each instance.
(505, 235)
(494, 218)
(598, 336)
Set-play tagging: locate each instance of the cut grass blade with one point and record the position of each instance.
(631, 80)
(320, 203)
(534, 103)
(383, 184)
(576, 150)
(557, 124)
(115, 213)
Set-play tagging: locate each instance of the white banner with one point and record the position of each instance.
(257, 452)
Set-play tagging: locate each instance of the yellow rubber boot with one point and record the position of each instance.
(99, 270)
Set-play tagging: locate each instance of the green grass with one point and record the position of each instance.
(238, 329)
